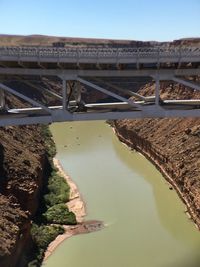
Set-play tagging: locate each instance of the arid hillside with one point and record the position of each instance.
(48, 40)
(43, 40)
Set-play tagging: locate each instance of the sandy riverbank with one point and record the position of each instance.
(76, 204)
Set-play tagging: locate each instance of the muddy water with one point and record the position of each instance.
(145, 221)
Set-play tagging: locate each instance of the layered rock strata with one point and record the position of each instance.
(173, 145)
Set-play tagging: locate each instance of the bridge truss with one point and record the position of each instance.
(93, 69)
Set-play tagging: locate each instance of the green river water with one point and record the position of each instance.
(145, 221)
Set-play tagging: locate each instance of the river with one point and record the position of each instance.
(145, 221)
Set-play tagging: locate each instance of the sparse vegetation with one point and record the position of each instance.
(49, 143)
(58, 190)
(59, 214)
(53, 212)
(42, 236)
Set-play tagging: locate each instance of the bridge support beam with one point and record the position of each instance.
(13, 121)
(27, 99)
(62, 116)
(128, 92)
(64, 94)
(38, 87)
(72, 74)
(77, 92)
(107, 92)
(187, 83)
(157, 91)
(2, 99)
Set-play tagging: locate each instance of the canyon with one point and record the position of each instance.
(173, 145)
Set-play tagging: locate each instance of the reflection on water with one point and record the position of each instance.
(146, 221)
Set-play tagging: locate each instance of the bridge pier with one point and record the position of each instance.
(157, 90)
(71, 90)
(77, 91)
(2, 99)
(64, 94)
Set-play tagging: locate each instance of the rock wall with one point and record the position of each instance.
(24, 169)
(173, 145)
(15, 231)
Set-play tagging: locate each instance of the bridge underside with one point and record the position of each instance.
(93, 93)
(116, 102)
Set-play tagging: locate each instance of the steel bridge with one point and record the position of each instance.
(80, 68)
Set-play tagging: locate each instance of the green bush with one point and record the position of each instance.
(52, 209)
(60, 214)
(49, 143)
(58, 191)
(42, 236)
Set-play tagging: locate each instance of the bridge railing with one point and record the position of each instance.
(143, 52)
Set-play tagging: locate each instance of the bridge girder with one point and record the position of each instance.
(178, 63)
(137, 109)
(22, 96)
(164, 74)
(187, 83)
(107, 92)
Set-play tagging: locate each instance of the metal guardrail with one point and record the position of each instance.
(103, 53)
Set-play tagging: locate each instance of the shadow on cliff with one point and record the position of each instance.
(41, 207)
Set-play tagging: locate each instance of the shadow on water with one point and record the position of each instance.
(170, 218)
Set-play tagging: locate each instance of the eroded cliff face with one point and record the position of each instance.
(24, 169)
(173, 145)
(14, 228)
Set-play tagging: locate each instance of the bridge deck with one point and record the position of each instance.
(80, 67)
(80, 55)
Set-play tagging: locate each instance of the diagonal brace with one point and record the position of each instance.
(131, 93)
(187, 83)
(40, 88)
(96, 87)
(2, 99)
(31, 101)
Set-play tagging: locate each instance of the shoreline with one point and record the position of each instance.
(190, 213)
(75, 204)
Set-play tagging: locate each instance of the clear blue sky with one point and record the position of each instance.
(118, 19)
